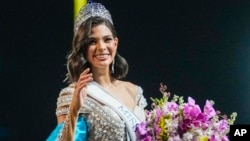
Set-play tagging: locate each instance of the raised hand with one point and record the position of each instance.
(80, 89)
(78, 99)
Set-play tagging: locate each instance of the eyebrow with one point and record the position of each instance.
(107, 36)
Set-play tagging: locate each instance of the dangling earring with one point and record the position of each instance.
(112, 66)
(82, 58)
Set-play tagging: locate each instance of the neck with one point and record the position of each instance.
(103, 78)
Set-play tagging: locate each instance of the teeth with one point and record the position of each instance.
(102, 56)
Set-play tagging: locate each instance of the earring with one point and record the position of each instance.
(112, 66)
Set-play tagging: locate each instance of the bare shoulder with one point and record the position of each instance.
(67, 90)
(130, 87)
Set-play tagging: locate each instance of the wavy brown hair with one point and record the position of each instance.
(76, 59)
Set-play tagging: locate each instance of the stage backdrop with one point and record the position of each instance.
(197, 48)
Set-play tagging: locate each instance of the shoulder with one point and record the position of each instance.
(132, 88)
(67, 90)
(65, 96)
(136, 92)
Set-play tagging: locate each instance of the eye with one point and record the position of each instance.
(91, 42)
(108, 40)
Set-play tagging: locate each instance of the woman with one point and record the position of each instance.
(97, 104)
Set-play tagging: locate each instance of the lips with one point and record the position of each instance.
(102, 56)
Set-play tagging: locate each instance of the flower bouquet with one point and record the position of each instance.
(177, 120)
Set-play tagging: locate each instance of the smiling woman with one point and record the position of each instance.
(97, 104)
(102, 47)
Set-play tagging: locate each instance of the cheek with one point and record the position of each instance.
(90, 53)
(113, 51)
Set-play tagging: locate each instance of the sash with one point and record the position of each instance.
(97, 92)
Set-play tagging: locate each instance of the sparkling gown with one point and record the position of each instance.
(97, 122)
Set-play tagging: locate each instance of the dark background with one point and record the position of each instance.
(197, 48)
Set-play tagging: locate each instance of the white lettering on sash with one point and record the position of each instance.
(103, 96)
(131, 119)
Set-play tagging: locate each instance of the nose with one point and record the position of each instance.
(101, 46)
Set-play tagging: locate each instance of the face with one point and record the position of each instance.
(102, 47)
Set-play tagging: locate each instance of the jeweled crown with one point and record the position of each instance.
(91, 9)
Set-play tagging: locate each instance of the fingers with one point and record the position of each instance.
(86, 75)
(84, 78)
(80, 93)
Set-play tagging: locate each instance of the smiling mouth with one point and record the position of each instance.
(102, 56)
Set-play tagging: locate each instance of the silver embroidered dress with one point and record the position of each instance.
(104, 124)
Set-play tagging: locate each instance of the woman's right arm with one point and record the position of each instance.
(78, 98)
(60, 118)
(68, 110)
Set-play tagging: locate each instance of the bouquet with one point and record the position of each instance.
(177, 120)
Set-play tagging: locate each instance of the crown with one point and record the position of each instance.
(92, 9)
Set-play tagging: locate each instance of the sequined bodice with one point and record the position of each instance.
(103, 123)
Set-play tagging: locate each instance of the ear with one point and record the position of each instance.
(116, 42)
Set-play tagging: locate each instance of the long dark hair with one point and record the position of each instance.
(76, 59)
